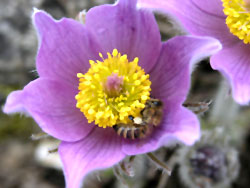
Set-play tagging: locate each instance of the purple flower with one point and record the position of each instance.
(70, 77)
(227, 21)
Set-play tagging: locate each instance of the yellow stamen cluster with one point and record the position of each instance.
(105, 110)
(238, 18)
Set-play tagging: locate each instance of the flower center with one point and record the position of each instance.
(238, 18)
(112, 90)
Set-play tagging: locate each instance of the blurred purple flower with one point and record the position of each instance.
(66, 46)
(206, 18)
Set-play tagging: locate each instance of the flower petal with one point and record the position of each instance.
(199, 17)
(179, 124)
(131, 31)
(187, 130)
(100, 149)
(171, 76)
(52, 105)
(170, 82)
(65, 48)
(234, 63)
(14, 103)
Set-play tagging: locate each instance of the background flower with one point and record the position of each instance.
(212, 162)
(206, 18)
(65, 48)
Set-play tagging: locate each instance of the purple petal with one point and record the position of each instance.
(234, 63)
(179, 124)
(65, 48)
(170, 83)
(14, 103)
(52, 105)
(187, 131)
(199, 17)
(131, 31)
(100, 149)
(171, 76)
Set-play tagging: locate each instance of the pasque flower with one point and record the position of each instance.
(210, 162)
(94, 75)
(226, 20)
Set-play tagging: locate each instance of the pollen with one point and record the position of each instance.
(112, 89)
(238, 18)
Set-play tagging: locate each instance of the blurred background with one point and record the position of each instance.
(220, 159)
